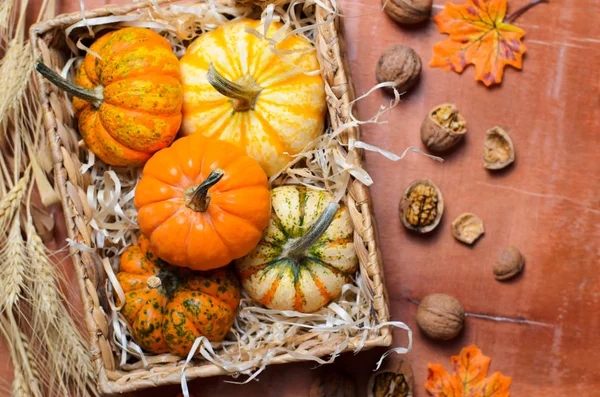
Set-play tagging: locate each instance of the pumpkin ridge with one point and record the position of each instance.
(175, 213)
(304, 112)
(320, 286)
(270, 294)
(134, 282)
(279, 224)
(299, 298)
(272, 134)
(146, 296)
(233, 63)
(140, 135)
(326, 265)
(218, 234)
(111, 148)
(264, 267)
(276, 81)
(123, 105)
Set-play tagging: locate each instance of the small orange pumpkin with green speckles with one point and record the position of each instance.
(128, 100)
(168, 307)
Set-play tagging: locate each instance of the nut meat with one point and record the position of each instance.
(443, 128)
(400, 64)
(408, 12)
(510, 263)
(440, 316)
(421, 206)
(498, 149)
(467, 228)
(394, 380)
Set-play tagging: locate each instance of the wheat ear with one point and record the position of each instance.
(70, 358)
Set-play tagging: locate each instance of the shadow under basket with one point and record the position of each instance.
(115, 373)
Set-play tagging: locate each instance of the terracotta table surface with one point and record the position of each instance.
(543, 327)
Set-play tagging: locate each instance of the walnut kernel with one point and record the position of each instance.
(394, 380)
(332, 384)
(421, 206)
(498, 149)
(400, 64)
(440, 316)
(443, 128)
(467, 228)
(510, 263)
(408, 12)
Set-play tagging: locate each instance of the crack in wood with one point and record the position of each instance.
(502, 319)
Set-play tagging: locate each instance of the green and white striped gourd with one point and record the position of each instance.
(306, 253)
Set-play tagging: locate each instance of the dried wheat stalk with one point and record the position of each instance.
(49, 356)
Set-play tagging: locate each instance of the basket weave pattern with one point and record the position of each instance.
(48, 38)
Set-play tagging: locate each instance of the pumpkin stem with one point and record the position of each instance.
(93, 96)
(299, 246)
(153, 282)
(197, 197)
(243, 92)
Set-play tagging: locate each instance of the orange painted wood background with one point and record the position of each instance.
(544, 326)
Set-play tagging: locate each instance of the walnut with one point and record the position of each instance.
(440, 316)
(467, 228)
(510, 263)
(443, 128)
(498, 149)
(408, 12)
(394, 380)
(421, 206)
(332, 384)
(400, 64)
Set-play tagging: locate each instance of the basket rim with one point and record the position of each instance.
(357, 193)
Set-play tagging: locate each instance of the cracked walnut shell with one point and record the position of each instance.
(401, 65)
(408, 12)
(498, 149)
(421, 206)
(440, 316)
(443, 128)
(510, 263)
(394, 380)
(467, 228)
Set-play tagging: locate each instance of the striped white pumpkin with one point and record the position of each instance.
(303, 259)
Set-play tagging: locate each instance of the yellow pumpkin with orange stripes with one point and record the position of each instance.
(306, 254)
(267, 98)
(128, 98)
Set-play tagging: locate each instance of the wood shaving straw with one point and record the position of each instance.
(258, 334)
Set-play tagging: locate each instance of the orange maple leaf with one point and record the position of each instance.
(468, 377)
(481, 36)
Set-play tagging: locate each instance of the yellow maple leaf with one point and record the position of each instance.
(468, 378)
(480, 35)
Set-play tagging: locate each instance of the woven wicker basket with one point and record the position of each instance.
(50, 46)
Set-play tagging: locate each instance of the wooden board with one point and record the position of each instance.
(543, 326)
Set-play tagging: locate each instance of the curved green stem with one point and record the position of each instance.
(93, 96)
(197, 198)
(243, 92)
(299, 246)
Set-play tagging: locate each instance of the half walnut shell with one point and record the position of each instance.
(498, 149)
(467, 228)
(394, 380)
(421, 206)
(443, 128)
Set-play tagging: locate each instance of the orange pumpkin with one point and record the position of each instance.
(202, 202)
(129, 100)
(168, 307)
